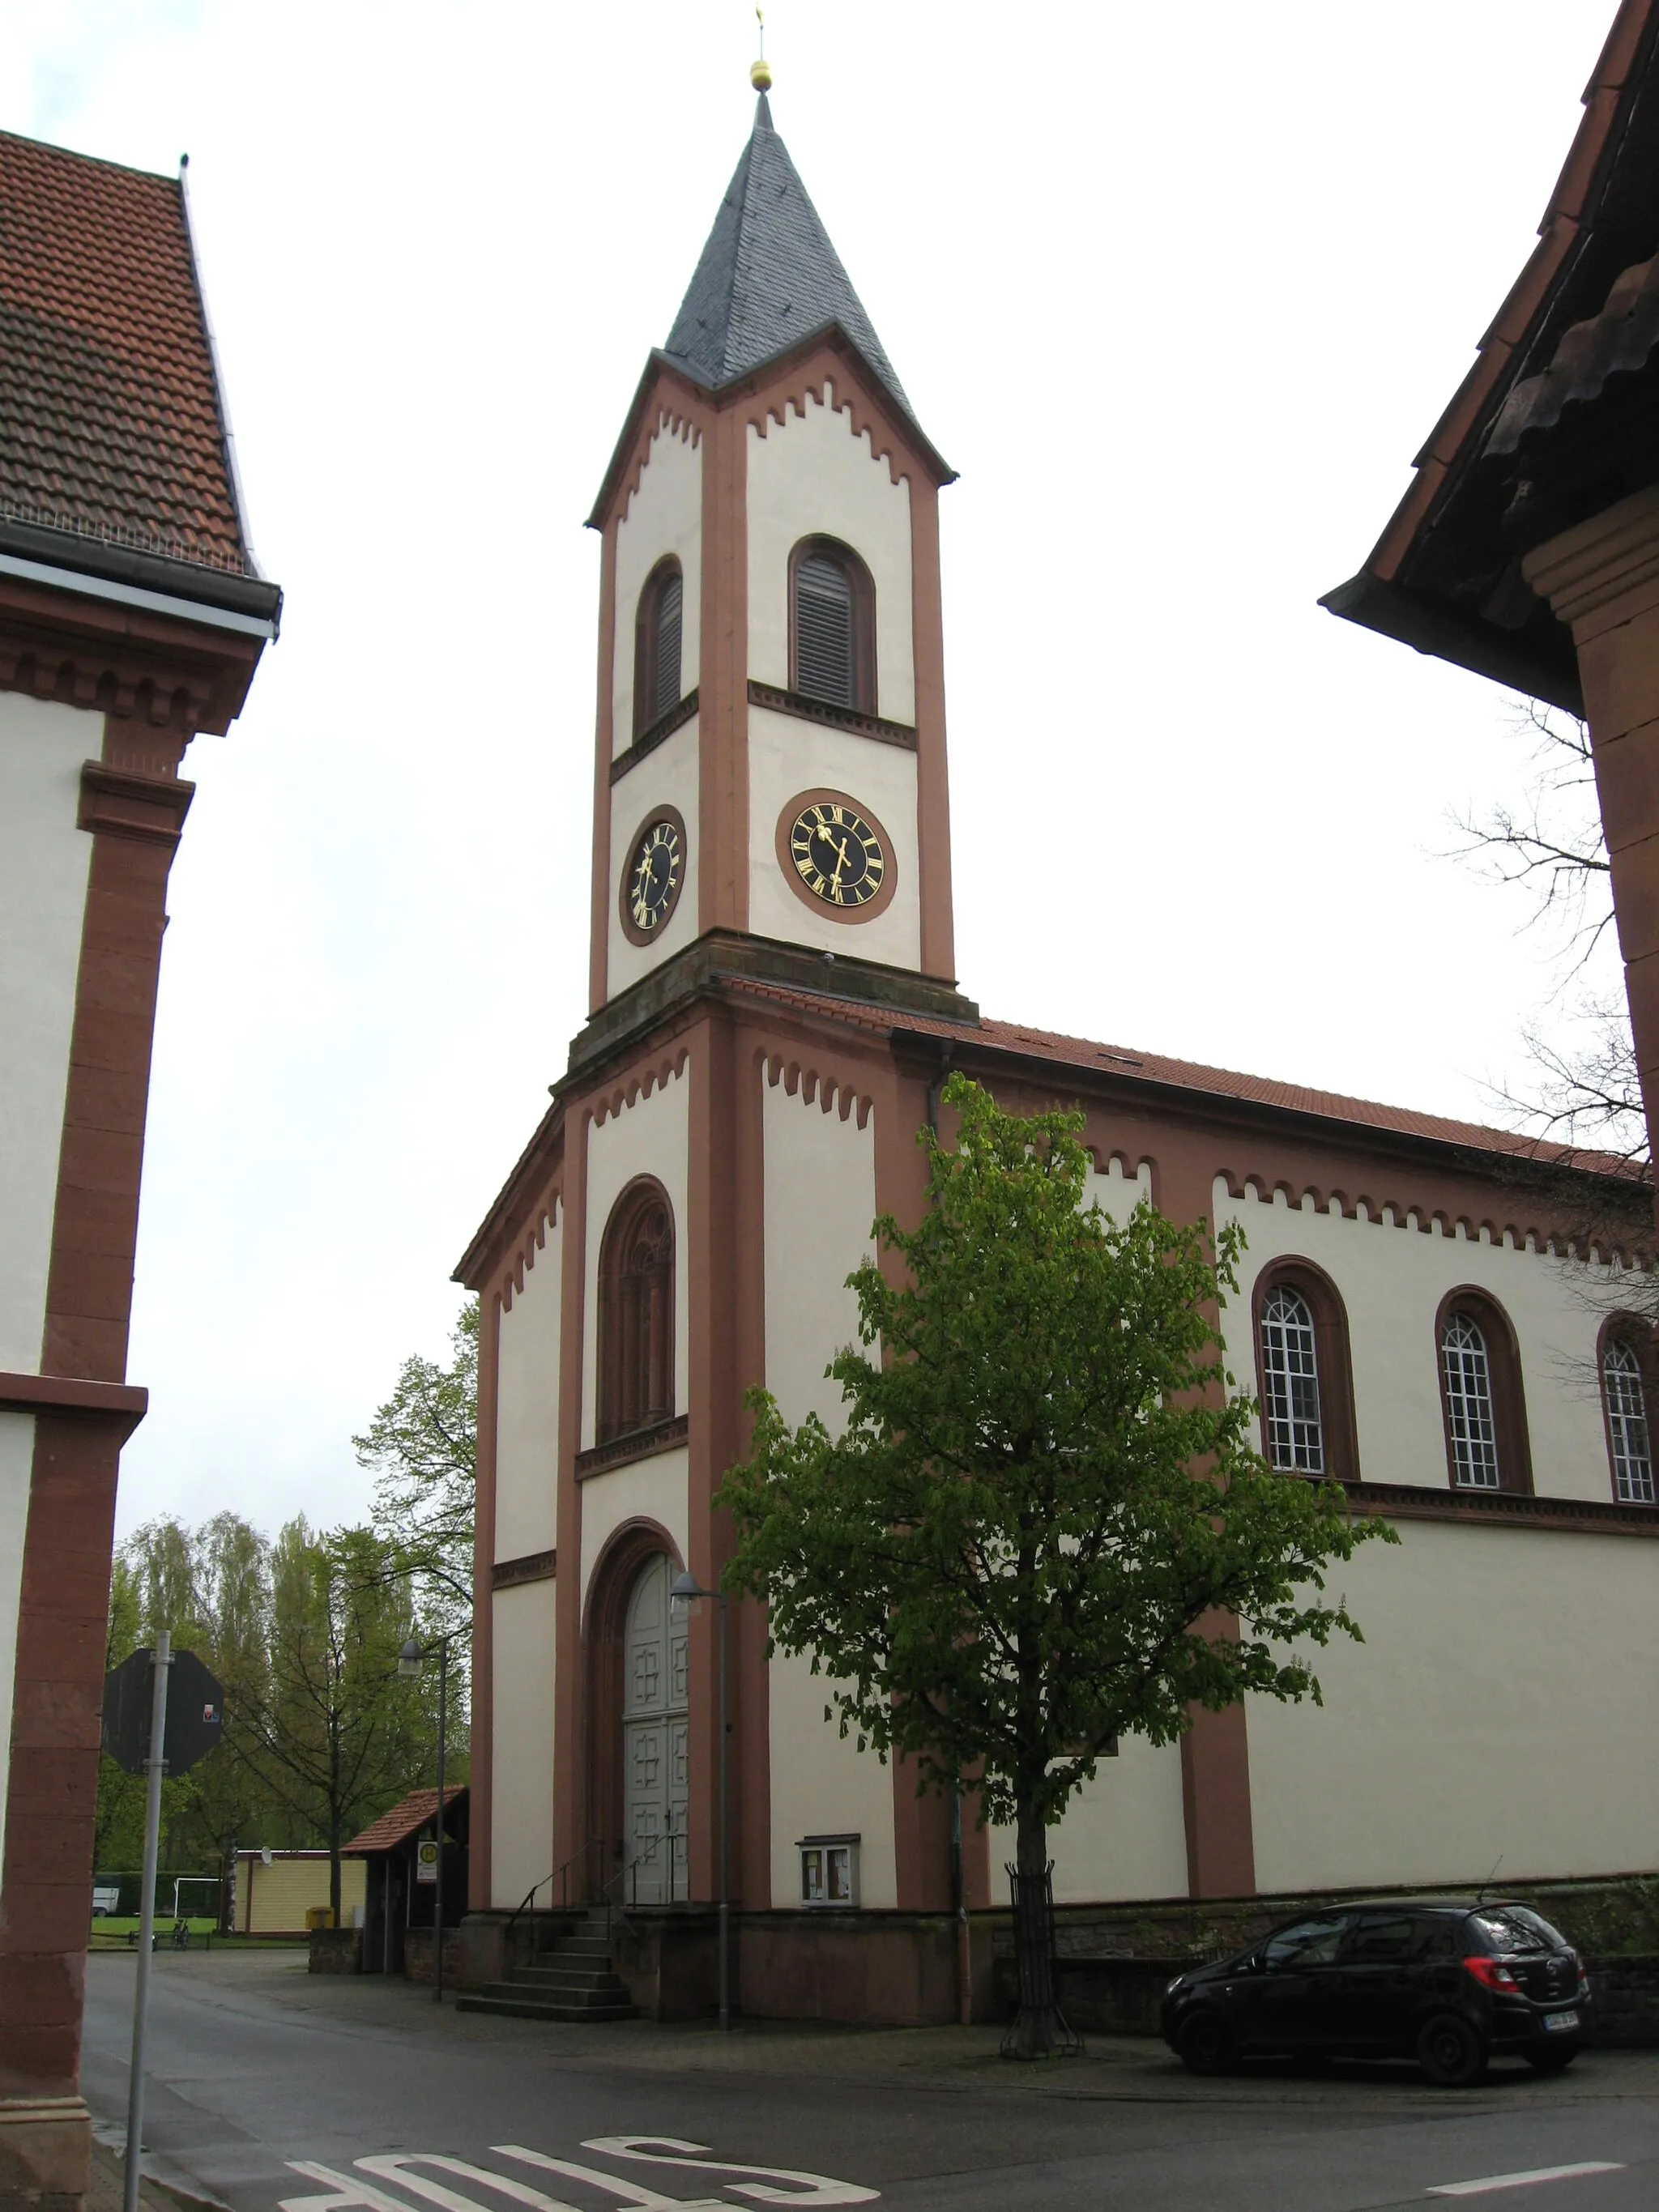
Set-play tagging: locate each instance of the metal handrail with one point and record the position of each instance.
(670, 1836)
(562, 1875)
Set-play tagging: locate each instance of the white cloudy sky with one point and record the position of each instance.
(1180, 291)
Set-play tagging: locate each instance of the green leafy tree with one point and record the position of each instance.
(421, 1448)
(337, 1736)
(1044, 1525)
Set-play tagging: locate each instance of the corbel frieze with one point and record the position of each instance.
(124, 662)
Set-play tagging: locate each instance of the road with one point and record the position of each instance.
(270, 2088)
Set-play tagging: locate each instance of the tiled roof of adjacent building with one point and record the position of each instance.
(1220, 1083)
(407, 1817)
(768, 276)
(111, 422)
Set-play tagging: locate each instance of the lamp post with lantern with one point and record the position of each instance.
(686, 1595)
(409, 1666)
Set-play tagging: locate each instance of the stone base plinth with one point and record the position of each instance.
(45, 2148)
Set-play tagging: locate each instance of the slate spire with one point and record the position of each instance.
(768, 276)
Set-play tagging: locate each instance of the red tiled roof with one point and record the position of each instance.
(1150, 1067)
(110, 417)
(404, 1821)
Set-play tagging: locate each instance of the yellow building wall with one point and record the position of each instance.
(274, 1899)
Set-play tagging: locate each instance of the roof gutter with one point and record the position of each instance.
(86, 587)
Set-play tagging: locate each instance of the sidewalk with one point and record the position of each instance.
(962, 2060)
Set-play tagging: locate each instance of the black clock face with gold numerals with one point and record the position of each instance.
(837, 855)
(654, 873)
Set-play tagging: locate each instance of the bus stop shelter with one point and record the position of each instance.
(400, 1882)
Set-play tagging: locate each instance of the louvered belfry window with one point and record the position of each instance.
(831, 640)
(656, 645)
(636, 1313)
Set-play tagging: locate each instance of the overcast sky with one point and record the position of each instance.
(1179, 291)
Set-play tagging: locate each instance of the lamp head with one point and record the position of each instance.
(686, 1595)
(409, 1660)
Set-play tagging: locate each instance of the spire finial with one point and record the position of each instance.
(760, 71)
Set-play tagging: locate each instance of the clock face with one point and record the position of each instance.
(838, 854)
(655, 870)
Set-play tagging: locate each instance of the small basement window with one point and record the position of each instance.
(829, 1871)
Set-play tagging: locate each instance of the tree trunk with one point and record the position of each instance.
(1039, 2028)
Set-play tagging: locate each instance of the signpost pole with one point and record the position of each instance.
(155, 1766)
(437, 1870)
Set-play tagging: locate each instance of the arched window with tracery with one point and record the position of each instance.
(1630, 1439)
(1470, 1418)
(1290, 1382)
(656, 645)
(636, 1312)
(1480, 1392)
(1305, 1372)
(832, 632)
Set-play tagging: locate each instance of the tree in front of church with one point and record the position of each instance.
(1044, 1526)
(421, 1448)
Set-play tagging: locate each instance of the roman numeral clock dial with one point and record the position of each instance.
(835, 855)
(653, 875)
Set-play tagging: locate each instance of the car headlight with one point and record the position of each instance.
(1175, 1985)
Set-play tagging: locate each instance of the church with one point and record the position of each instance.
(1446, 1319)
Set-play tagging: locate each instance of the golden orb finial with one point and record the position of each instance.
(760, 71)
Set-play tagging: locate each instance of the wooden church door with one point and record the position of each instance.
(656, 1742)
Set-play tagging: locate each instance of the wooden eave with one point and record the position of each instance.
(1579, 237)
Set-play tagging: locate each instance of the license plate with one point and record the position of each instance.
(1559, 2023)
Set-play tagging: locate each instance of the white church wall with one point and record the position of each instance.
(656, 1489)
(521, 1731)
(1123, 1835)
(527, 1409)
(1392, 1281)
(787, 756)
(667, 777)
(17, 1461)
(1454, 1739)
(44, 864)
(819, 1183)
(649, 1137)
(810, 476)
(664, 516)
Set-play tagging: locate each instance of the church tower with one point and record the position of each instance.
(770, 746)
(772, 968)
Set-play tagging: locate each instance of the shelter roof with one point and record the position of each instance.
(1539, 434)
(113, 429)
(407, 1819)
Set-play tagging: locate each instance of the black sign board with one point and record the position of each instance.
(195, 1712)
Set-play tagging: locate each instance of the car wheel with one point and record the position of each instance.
(1449, 2052)
(1207, 2046)
(1553, 2058)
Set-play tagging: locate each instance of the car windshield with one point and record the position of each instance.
(1516, 1928)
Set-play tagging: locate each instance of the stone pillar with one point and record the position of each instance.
(1601, 578)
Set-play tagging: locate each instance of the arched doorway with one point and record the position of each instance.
(655, 1741)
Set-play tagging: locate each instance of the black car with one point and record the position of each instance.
(1451, 1985)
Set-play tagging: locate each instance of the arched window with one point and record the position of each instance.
(1469, 1417)
(832, 630)
(1629, 1438)
(636, 1312)
(1305, 1372)
(1480, 1392)
(656, 645)
(1290, 1382)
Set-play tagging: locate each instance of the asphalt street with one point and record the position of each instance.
(269, 2088)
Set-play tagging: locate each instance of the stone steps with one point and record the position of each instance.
(572, 1980)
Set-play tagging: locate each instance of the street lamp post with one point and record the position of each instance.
(408, 1666)
(686, 1592)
